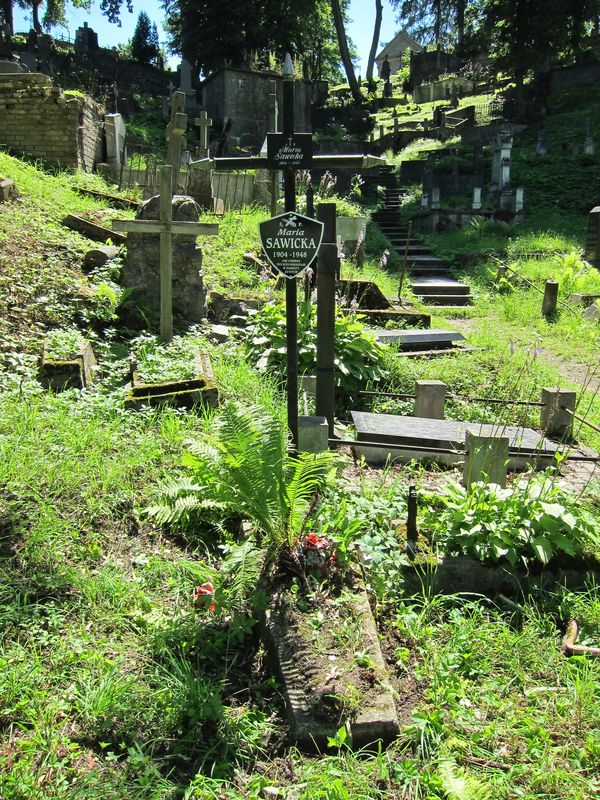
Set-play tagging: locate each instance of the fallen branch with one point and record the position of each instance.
(569, 647)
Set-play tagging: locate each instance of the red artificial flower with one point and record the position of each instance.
(314, 542)
(204, 595)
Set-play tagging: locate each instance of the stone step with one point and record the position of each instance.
(438, 286)
(428, 261)
(445, 299)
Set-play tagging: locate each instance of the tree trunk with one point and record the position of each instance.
(344, 52)
(375, 42)
(7, 13)
(460, 24)
(36, 16)
(437, 22)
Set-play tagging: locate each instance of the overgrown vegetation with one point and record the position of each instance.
(116, 683)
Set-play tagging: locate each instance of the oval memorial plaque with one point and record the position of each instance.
(291, 242)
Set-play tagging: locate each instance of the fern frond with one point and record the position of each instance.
(242, 569)
(460, 786)
(311, 472)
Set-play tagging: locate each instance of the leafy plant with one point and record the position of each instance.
(357, 353)
(242, 469)
(534, 520)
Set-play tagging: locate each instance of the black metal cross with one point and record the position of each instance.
(288, 152)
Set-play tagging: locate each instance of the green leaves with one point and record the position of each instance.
(528, 521)
(358, 354)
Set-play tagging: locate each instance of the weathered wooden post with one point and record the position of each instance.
(328, 264)
(550, 300)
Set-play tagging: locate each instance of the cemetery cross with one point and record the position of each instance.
(204, 122)
(301, 144)
(175, 132)
(167, 228)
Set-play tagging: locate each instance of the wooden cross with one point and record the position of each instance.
(204, 122)
(167, 229)
(175, 132)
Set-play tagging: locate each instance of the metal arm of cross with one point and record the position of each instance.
(288, 152)
(167, 228)
(318, 162)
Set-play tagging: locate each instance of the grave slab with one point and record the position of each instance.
(418, 434)
(186, 393)
(412, 339)
(74, 372)
(98, 233)
(308, 675)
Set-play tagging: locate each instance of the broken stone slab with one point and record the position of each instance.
(365, 294)
(219, 333)
(201, 390)
(112, 199)
(405, 313)
(76, 371)
(232, 310)
(326, 687)
(97, 233)
(99, 256)
(420, 436)
(464, 575)
(8, 190)
(592, 313)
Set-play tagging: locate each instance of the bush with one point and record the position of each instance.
(533, 520)
(358, 354)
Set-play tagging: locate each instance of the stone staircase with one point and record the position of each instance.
(430, 276)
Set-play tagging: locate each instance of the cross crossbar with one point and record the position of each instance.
(156, 226)
(166, 228)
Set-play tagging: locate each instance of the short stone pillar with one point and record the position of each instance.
(115, 133)
(550, 301)
(477, 198)
(425, 201)
(486, 458)
(141, 271)
(430, 397)
(313, 434)
(519, 200)
(435, 197)
(308, 384)
(554, 420)
(592, 241)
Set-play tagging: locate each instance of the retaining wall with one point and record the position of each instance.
(37, 119)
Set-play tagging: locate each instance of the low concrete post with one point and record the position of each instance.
(425, 201)
(435, 197)
(550, 301)
(477, 198)
(430, 399)
(308, 384)
(519, 199)
(313, 434)
(486, 459)
(554, 421)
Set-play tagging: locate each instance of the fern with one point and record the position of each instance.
(458, 785)
(242, 467)
(242, 569)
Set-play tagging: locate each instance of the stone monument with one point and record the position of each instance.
(141, 271)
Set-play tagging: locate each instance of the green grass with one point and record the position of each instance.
(113, 686)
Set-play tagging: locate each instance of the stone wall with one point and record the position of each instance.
(37, 119)
(577, 75)
(243, 96)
